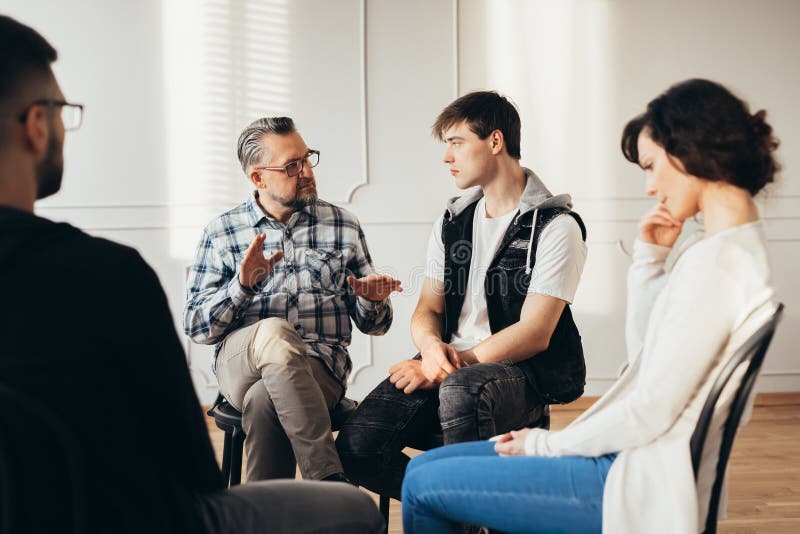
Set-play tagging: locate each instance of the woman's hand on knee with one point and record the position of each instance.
(512, 443)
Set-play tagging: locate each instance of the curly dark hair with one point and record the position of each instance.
(711, 132)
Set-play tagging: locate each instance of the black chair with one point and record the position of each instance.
(229, 420)
(431, 441)
(42, 486)
(751, 354)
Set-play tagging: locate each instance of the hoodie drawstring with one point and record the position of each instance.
(530, 243)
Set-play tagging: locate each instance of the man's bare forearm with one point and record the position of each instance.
(515, 343)
(426, 327)
(523, 339)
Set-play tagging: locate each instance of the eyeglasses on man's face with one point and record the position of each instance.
(295, 167)
(71, 114)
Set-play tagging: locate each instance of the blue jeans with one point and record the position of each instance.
(470, 483)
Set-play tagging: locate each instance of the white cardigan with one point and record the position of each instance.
(682, 326)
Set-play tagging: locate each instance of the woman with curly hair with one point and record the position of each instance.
(625, 464)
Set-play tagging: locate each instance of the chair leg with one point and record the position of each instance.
(226, 458)
(384, 506)
(237, 443)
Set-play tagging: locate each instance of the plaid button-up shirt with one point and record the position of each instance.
(322, 244)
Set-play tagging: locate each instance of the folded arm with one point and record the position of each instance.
(523, 339)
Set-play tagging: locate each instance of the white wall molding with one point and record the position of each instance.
(781, 372)
(456, 50)
(610, 208)
(601, 230)
(764, 372)
(127, 205)
(348, 199)
(369, 361)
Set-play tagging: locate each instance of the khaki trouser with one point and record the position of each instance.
(285, 398)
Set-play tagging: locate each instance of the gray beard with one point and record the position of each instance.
(301, 200)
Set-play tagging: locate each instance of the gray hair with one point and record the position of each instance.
(249, 148)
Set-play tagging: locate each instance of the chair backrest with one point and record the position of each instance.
(751, 354)
(42, 487)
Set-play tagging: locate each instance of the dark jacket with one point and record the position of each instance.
(85, 330)
(559, 373)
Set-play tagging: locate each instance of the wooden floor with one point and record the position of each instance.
(764, 471)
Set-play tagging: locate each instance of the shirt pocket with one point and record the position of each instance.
(509, 278)
(513, 259)
(325, 269)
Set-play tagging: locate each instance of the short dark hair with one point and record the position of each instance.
(25, 58)
(711, 132)
(484, 112)
(24, 55)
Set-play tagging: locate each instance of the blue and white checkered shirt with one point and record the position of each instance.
(322, 244)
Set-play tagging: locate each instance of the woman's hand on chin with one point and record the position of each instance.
(659, 227)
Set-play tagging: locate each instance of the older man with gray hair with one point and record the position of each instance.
(274, 285)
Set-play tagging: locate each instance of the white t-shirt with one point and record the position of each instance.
(560, 256)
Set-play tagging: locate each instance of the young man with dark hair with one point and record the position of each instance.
(493, 325)
(87, 338)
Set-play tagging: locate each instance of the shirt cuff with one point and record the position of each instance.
(536, 443)
(650, 252)
(240, 295)
(555, 293)
(370, 307)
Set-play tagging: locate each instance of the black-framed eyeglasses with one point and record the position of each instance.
(295, 167)
(71, 114)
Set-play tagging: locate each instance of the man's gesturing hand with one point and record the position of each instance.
(375, 287)
(255, 267)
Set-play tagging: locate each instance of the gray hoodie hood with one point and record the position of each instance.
(535, 197)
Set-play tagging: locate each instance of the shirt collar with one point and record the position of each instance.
(254, 211)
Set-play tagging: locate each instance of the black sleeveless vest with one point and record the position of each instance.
(559, 373)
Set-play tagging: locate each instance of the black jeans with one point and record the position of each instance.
(473, 403)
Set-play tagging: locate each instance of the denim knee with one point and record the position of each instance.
(460, 392)
(475, 377)
(357, 441)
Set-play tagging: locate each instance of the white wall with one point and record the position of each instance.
(169, 85)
